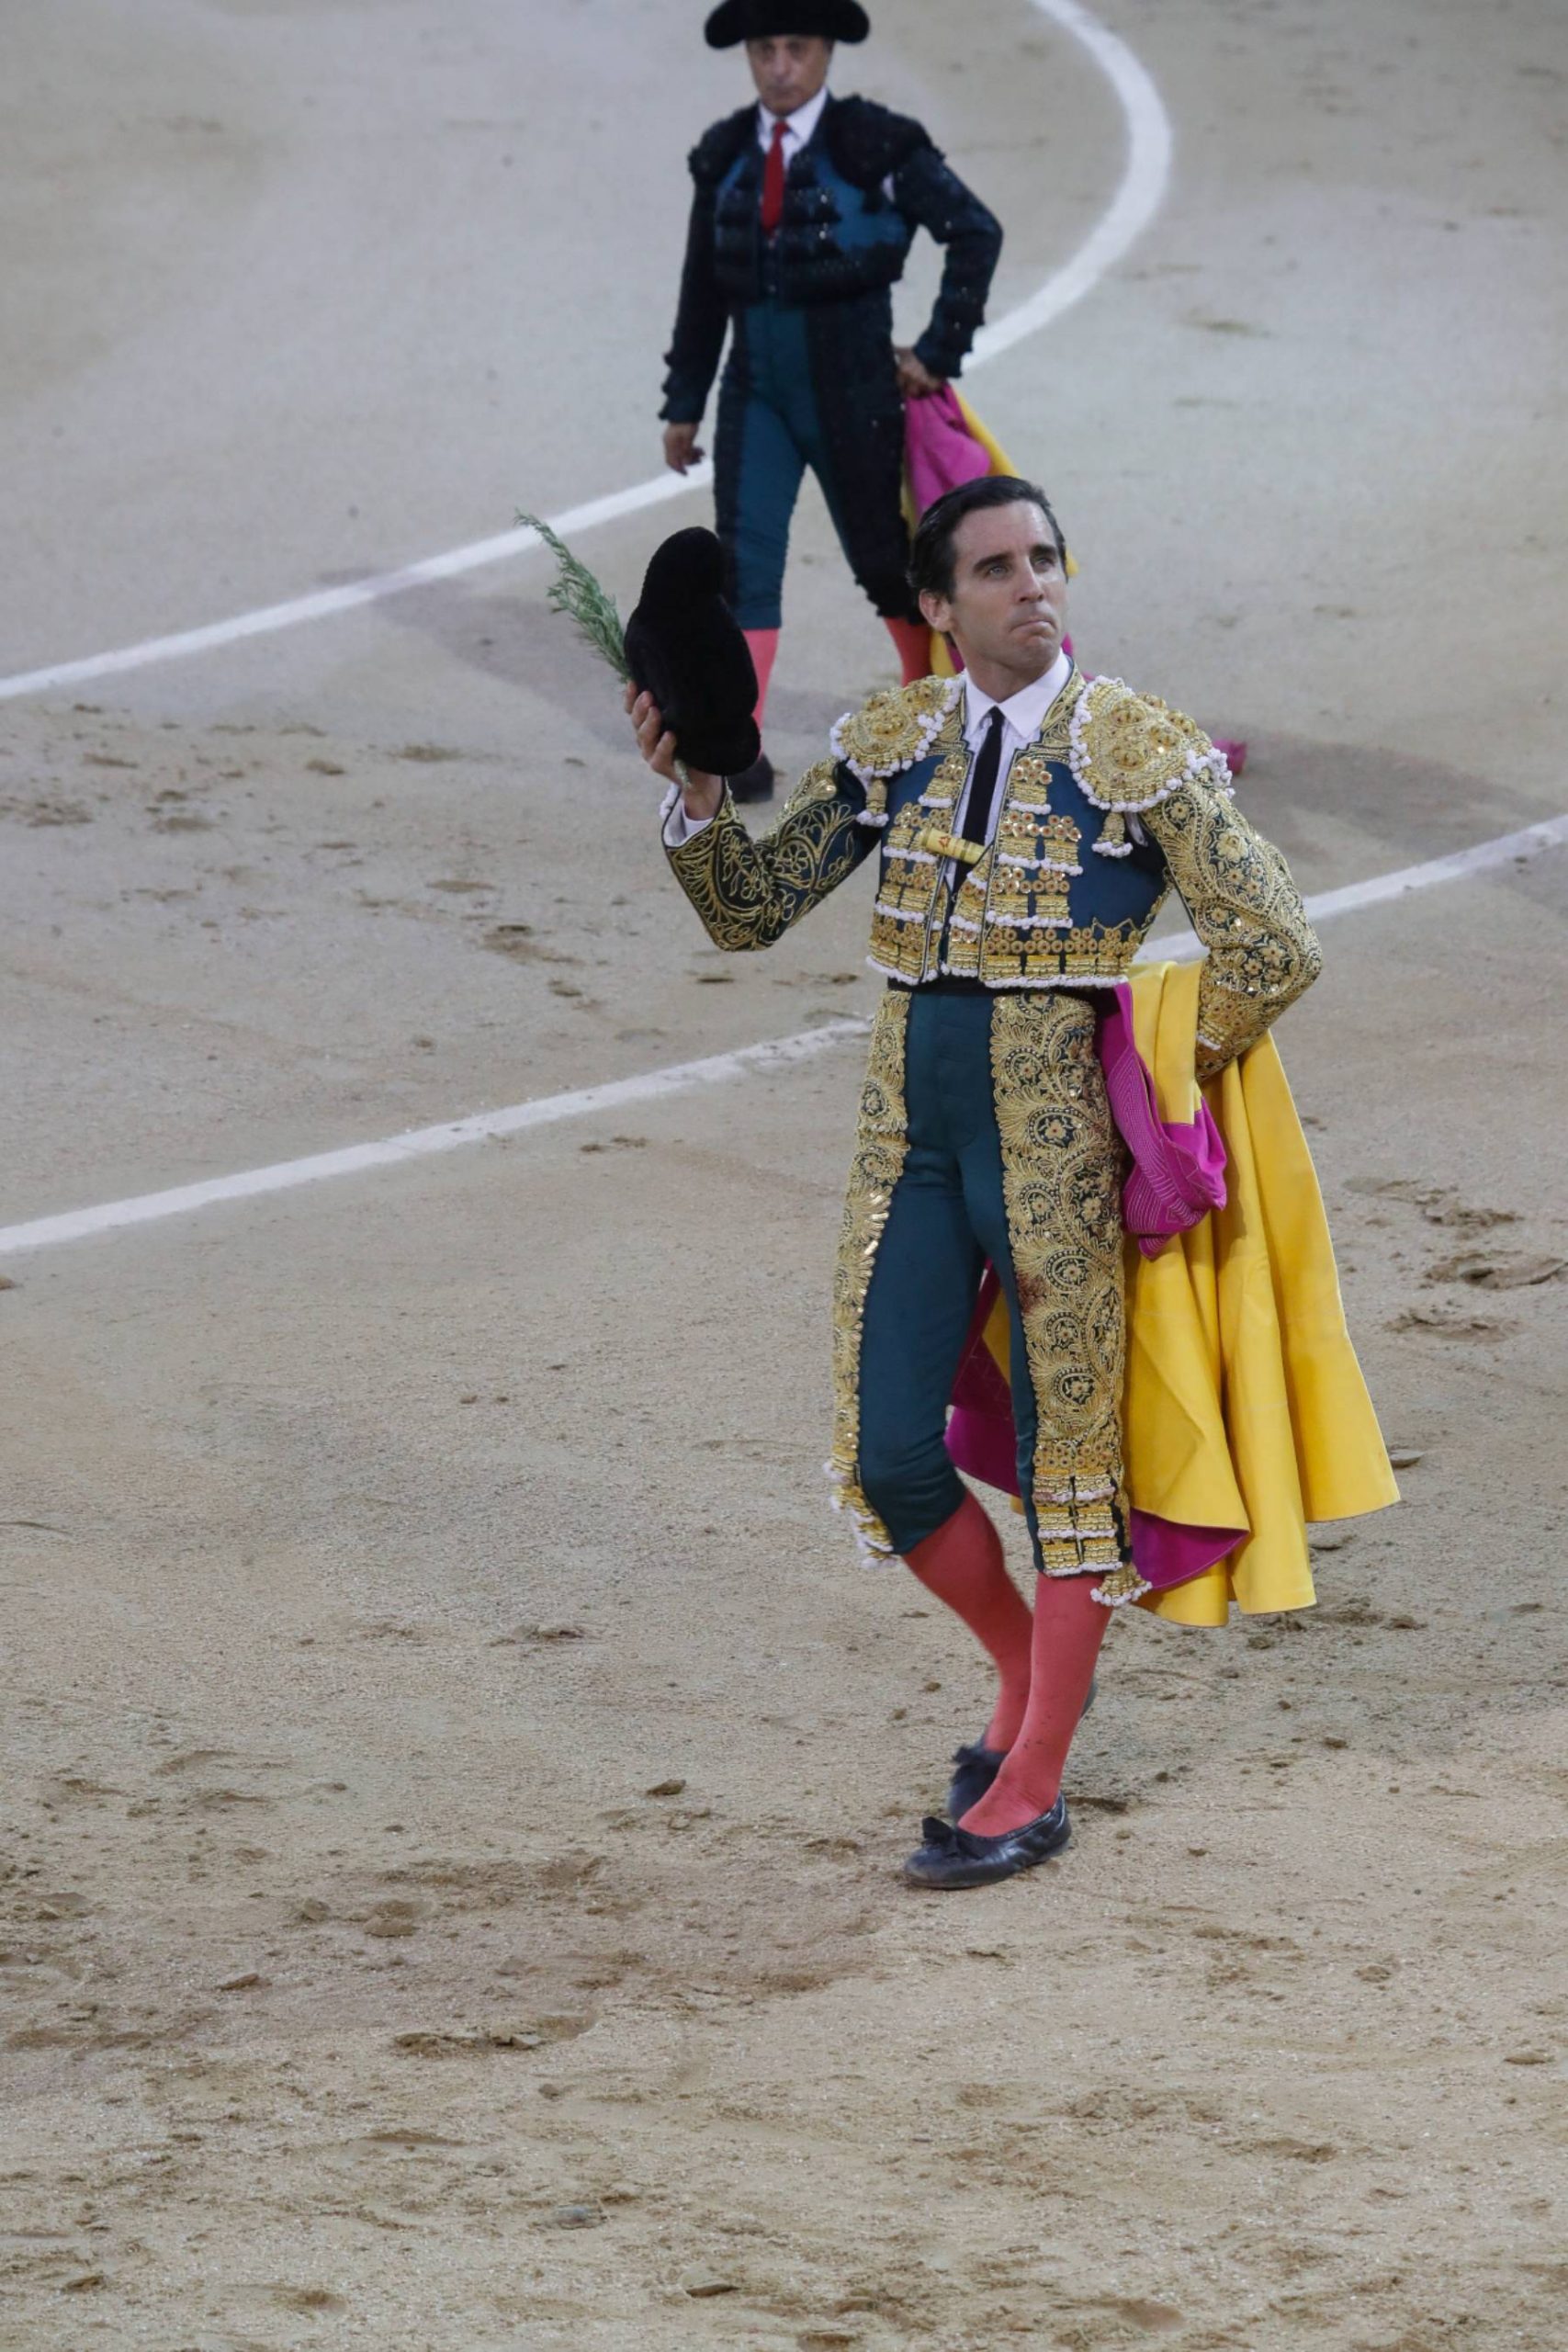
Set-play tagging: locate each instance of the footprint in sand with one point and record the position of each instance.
(1497, 1270)
(399, 1916)
(520, 941)
(1449, 1326)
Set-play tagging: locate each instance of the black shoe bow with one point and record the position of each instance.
(949, 1858)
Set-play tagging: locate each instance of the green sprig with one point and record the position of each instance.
(584, 599)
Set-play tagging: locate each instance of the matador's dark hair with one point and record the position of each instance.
(931, 552)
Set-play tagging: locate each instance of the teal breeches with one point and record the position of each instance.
(1008, 1153)
(948, 1217)
(771, 428)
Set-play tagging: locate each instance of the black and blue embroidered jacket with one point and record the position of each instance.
(854, 195)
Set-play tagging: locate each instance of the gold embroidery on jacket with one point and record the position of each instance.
(911, 903)
(1128, 751)
(748, 892)
(1263, 953)
(890, 732)
(1011, 917)
(1062, 1171)
(882, 1142)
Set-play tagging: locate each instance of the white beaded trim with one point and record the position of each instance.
(1120, 1600)
(1024, 923)
(1038, 864)
(926, 729)
(1198, 764)
(1000, 987)
(899, 914)
(871, 1552)
(1052, 981)
(915, 856)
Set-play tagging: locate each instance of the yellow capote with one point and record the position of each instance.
(1244, 1404)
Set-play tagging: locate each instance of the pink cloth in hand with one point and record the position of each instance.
(1179, 1167)
(938, 448)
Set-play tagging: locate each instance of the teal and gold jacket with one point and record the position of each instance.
(1117, 801)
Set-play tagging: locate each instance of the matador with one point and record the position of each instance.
(1027, 823)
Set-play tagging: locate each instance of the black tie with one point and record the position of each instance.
(983, 784)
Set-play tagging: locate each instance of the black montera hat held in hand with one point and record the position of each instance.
(741, 20)
(684, 647)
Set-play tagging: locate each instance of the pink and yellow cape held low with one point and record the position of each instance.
(1246, 1415)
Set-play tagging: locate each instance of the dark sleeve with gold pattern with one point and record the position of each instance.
(750, 892)
(1263, 953)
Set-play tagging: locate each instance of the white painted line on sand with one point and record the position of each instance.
(1507, 849)
(652, 1086)
(420, 1143)
(1459, 865)
(325, 601)
(1134, 205)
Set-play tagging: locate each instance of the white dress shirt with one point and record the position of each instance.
(1022, 714)
(798, 126)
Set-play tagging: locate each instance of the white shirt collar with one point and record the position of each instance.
(798, 126)
(1023, 711)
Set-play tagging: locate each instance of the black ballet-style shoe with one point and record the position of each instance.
(979, 1766)
(947, 1858)
(755, 783)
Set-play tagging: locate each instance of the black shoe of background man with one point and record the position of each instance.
(755, 783)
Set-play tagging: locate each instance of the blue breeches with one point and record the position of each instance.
(1009, 1154)
(769, 428)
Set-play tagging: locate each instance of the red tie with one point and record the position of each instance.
(773, 183)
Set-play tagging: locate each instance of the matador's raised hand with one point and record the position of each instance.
(701, 793)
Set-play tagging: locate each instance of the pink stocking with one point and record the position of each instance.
(764, 646)
(1069, 1625)
(963, 1565)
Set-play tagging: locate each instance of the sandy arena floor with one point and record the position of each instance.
(456, 1772)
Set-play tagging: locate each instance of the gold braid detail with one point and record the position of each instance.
(748, 892)
(1062, 1170)
(1128, 751)
(891, 731)
(1263, 953)
(882, 1142)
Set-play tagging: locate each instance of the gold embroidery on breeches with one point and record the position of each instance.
(1062, 1172)
(882, 1144)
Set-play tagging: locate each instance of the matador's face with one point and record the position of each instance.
(1009, 603)
(789, 69)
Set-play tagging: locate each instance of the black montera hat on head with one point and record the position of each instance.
(685, 648)
(741, 20)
